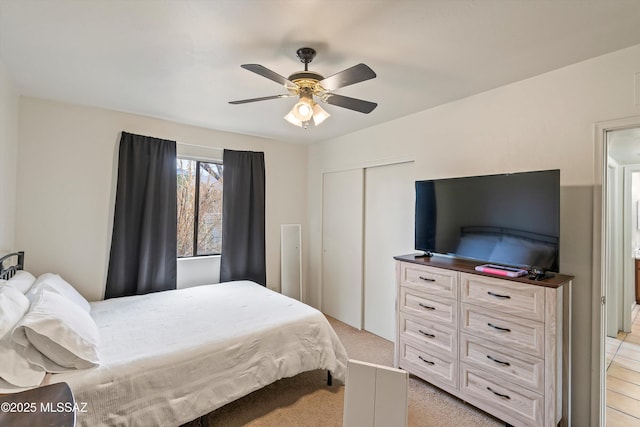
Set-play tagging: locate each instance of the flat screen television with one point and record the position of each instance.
(509, 219)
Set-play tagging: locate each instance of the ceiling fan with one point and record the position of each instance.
(309, 86)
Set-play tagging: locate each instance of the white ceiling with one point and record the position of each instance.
(180, 60)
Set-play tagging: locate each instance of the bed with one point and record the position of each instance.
(170, 357)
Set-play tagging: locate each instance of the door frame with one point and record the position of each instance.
(599, 267)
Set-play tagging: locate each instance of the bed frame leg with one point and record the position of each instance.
(329, 378)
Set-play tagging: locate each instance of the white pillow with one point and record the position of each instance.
(13, 305)
(55, 283)
(22, 280)
(476, 245)
(527, 252)
(15, 369)
(57, 335)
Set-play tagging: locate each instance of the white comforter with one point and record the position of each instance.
(169, 357)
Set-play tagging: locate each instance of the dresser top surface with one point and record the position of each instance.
(468, 266)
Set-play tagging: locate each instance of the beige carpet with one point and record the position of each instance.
(306, 401)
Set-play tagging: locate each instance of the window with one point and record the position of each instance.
(199, 207)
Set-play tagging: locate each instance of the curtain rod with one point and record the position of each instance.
(199, 146)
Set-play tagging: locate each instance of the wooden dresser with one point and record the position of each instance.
(501, 344)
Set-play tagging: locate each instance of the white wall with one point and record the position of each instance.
(545, 122)
(67, 176)
(8, 155)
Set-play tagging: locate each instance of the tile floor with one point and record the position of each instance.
(623, 377)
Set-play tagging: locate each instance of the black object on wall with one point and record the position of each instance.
(243, 217)
(143, 244)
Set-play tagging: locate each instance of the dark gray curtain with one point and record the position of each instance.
(143, 245)
(243, 223)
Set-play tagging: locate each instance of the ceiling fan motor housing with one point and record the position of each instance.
(305, 75)
(306, 55)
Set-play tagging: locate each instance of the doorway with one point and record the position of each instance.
(620, 373)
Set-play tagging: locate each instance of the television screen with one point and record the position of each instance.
(509, 219)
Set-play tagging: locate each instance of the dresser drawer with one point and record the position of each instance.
(514, 366)
(518, 299)
(512, 403)
(509, 331)
(429, 335)
(435, 281)
(441, 371)
(428, 307)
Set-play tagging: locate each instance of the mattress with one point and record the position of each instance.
(170, 357)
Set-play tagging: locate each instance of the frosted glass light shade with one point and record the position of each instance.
(319, 114)
(291, 118)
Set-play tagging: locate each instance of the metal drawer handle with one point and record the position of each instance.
(498, 295)
(426, 333)
(498, 361)
(428, 307)
(426, 361)
(426, 279)
(498, 327)
(505, 396)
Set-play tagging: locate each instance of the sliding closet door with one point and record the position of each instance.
(389, 218)
(342, 234)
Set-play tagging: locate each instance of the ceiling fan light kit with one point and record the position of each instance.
(308, 84)
(305, 110)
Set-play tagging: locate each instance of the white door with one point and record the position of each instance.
(342, 234)
(389, 223)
